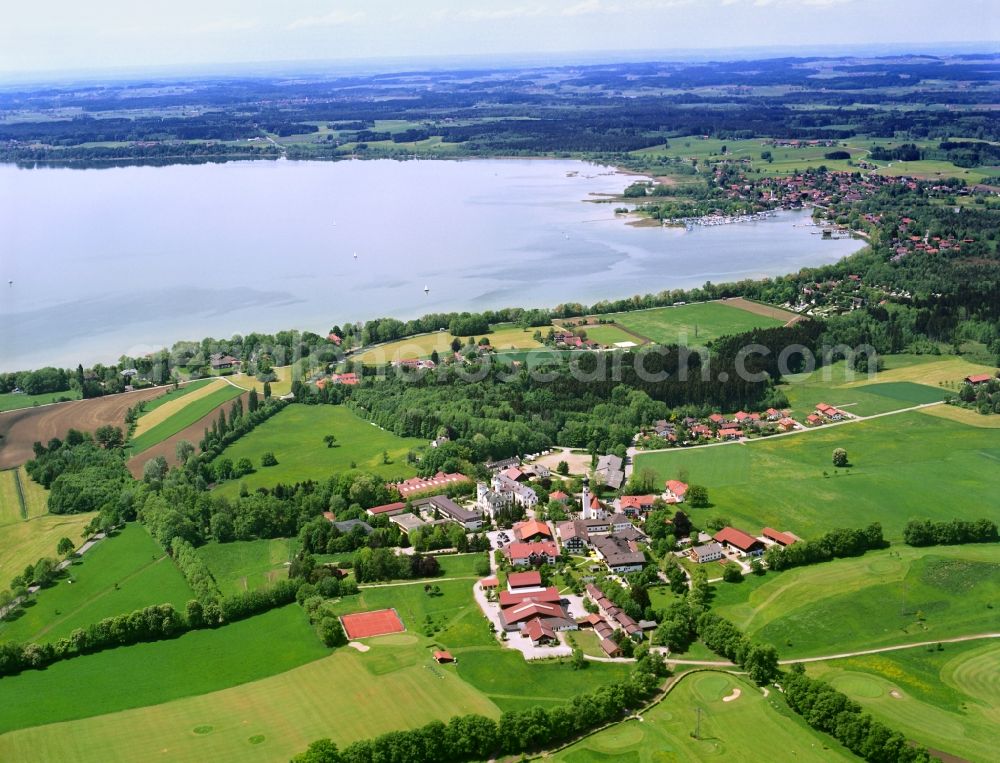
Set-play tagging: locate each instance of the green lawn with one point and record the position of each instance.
(896, 596)
(346, 696)
(184, 418)
(608, 334)
(12, 402)
(118, 575)
(750, 728)
(903, 466)
(146, 674)
(248, 565)
(295, 436)
(948, 700)
(694, 324)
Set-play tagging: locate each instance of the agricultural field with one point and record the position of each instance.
(170, 419)
(789, 482)
(899, 595)
(92, 685)
(170, 402)
(11, 509)
(906, 380)
(735, 730)
(694, 324)
(118, 575)
(503, 337)
(346, 696)
(295, 436)
(20, 429)
(279, 387)
(963, 416)
(10, 401)
(948, 700)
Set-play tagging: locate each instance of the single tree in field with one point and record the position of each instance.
(183, 450)
(330, 440)
(562, 468)
(65, 547)
(697, 496)
(840, 457)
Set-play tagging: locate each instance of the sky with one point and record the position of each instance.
(76, 36)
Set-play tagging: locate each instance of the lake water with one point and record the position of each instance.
(131, 259)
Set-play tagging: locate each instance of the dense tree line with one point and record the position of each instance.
(378, 564)
(195, 571)
(81, 475)
(951, 532)
(760, 661)
(832, 712)
(834, 544)
(475, 737)
(36, 382)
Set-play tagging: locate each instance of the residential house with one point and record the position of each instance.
(620, 555)
(709, 552)
(532, 529)
(520, 554)
(786, 424)
(635, 505)
(610, 471)
(675, 491)
(219, 361)
(978, 378)
(574, 536)
(730, 433)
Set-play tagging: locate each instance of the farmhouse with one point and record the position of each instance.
(729, 433)
(633, 505)
(834, 414)
(978, 378)
(739, 542)
(416, 485)
(521, 554)
(218, 361)
(786, 424)
(709, 552)
(387, 509)
(447, 508)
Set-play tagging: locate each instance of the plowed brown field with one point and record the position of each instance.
(20, 429)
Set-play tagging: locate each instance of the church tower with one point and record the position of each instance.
(585, 500)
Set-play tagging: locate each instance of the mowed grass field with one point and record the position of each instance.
(25, 541)
(183, 417)
(344, 696)
(948, 700)
(899, 595)
(610, 334)
(694, 324)
(280, 386)
(10, 401)
(902, 466)
(750, 728)
(118, 575)
(173, 400)
(248, 565)
(503, 337)
(295, 436)
(195, 663)
(906, 380)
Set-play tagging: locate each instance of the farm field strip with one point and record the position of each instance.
(503, 337)
(184, 417)
(35, 497)
(12, 508)
(26, 541)
(172, 402)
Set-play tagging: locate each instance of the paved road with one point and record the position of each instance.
(896, 648)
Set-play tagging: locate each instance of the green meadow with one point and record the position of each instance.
(345, 695)
(694, 324)
(609, 334)
(10, 401)
(248, 565)
(295, 436)
(899, 595)
(120, 574)
(902, 466)
(197, 662)
(184, 418)
(948, 700)
(749, 728)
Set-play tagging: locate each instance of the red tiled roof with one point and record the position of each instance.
(978, 378)
(513, 473)
(559, 495)
(636, 501)
(386, 507)
(512, 598)
(735, 537)
(779, 537)
(527, 610)
(536, 630)
(442, 656)
(531, 528)
(489, 582)
(524, 550)
(419, 484)
(677, 487)
(523, 579)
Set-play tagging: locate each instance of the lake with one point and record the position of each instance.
(131, 259)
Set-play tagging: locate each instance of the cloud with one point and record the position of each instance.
(333, 18)
(499, 14)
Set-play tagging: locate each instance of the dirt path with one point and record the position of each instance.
(898, 647)
(21, 428)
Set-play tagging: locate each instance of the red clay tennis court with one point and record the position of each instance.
(368, 624)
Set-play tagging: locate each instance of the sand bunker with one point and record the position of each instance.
(734, 695)
(359, 646)
(895, 694)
